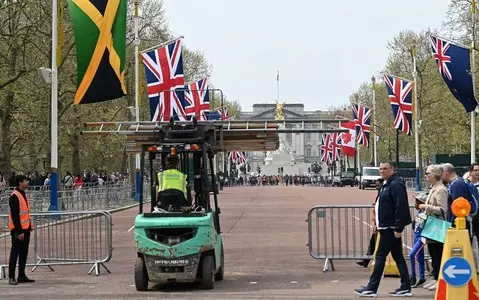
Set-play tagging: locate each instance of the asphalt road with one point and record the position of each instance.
(266, 257)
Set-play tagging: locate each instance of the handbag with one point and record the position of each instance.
(435, 229)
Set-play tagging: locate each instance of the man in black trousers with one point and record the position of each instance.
(20, 225)
(392, 215)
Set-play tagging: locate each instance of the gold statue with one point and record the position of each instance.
(279, 115)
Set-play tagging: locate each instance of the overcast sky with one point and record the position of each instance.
(323, 49)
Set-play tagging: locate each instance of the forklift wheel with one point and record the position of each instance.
(208, 272)
(141, 276)
(221, 272)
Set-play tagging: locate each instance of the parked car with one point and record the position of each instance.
(347, 178)
(369, 176)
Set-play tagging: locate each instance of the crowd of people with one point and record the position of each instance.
(69, 181)
(391, 215)
(276, 180)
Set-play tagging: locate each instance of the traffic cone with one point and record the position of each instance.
(390, 268)
(457, 276)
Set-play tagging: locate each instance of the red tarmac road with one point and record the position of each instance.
(266, 257)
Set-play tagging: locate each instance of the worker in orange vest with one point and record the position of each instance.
(20, 225)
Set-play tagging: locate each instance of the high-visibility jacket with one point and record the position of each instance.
(24, 212)
(172, 179)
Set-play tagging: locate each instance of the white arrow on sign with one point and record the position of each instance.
(451, 271)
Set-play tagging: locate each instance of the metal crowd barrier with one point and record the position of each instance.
(343, 232)
(63, 238)
(83, 199)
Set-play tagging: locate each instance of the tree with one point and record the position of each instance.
(25, 35)
(316, 168)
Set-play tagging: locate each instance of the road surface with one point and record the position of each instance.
(266, 257)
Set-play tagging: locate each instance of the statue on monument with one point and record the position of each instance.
(279, 114)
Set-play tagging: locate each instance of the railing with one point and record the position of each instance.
(411, 184)
(342, 232)
(101, 197)
(63, 238)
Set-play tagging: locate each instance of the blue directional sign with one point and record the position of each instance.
(457, 271)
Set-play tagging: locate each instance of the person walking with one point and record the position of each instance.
(392, 216)
(417, 251)
(20, 225)
(436, 205)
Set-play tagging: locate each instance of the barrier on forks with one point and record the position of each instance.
(343, 232)
(64, 238)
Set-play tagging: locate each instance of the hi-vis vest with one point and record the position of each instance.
(172, 179)
(24, 213)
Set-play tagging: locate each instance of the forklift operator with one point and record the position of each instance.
(172, 180)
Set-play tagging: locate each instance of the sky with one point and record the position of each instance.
(323, 49)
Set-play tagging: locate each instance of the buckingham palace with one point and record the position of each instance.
(301, 149)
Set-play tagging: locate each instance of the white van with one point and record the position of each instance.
(369, 176)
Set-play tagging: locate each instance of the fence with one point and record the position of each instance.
(64, 238)
(411, 184)
(342, 232)
(101, 197)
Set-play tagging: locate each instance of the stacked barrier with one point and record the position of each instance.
(63, 238)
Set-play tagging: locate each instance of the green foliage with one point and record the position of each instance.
(316, 168)
(445, 126)
(25, 46)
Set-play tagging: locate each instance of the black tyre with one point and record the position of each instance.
(221, 272)
(208, 272)
(141, 275)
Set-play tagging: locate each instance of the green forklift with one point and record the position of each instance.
(178, 239)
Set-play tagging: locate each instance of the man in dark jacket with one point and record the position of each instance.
(392, 216)
(20, 227)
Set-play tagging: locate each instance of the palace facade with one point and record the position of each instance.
(303, 148)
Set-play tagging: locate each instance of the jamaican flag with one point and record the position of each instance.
(100, 37)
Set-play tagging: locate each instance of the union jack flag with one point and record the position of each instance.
(238, 157)
(362, 119)
(220, 114)
(197, 99)
(453, 62)
(400, 96)
(334, 146)
(325, 153)
(223, 113)
(164, 74)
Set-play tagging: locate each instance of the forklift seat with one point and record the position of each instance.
(171, 197)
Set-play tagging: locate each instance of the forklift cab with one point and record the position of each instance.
(190, 145)
(172, 199)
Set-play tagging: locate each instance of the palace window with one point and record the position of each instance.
(308, 151)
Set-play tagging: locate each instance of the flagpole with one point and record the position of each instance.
(277, 87)
(473, 68)
(162, 44)
(54, 111)
(397, 149)
(416, 121)
(137, 100)
(375, 145)
(357, 148)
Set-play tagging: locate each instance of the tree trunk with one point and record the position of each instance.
(5, 137)
(75, 143)
(124, 161)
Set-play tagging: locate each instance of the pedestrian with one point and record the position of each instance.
(436, 205)
(392, 216)
(372, 240)
(20, 225)
(417, 251)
